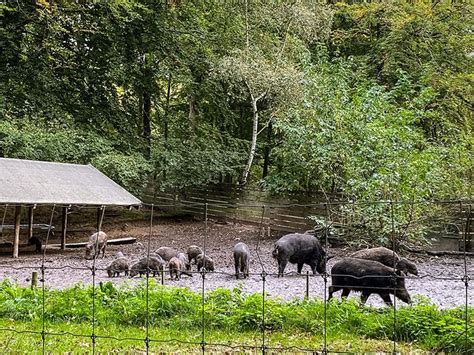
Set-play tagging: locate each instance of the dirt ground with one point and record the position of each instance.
(440, 278)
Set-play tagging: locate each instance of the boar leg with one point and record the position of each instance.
(281, 267)
(345, 292)
(386, 298)
(365, 296)
(333, 289)
(236, 263)
(300, 267)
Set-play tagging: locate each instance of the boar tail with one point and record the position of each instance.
(275, 251)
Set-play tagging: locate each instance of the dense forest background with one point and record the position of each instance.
(372, 100)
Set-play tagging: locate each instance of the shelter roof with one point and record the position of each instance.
(39, 182)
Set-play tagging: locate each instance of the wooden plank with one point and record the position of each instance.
(209, 200)
(288, 217)
(16, 238)
(64, 227)
(210, 195)
(30, 222)
(119, 241)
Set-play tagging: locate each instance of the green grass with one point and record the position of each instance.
(230, 318)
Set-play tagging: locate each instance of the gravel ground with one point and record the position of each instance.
(435, 279)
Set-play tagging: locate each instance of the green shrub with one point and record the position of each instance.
(179, 308)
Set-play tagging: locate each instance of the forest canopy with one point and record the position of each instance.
(372, 100)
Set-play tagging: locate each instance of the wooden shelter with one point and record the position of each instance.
(27, 183)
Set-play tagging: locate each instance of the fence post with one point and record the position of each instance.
(307, 285)
(394, 242)
(34, 280)
(264, 348)
(325, 279)
(466, 280)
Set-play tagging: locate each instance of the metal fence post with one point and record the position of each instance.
(203, 273)
(263, 348)
(147, 338)
(466, 281)
(394, 332)
(307, 285)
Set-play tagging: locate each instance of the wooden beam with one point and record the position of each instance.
(119, 241)
(64, 228)
(30, 222)
(16, 238)
(99, 216)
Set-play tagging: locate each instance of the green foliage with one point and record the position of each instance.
(372, 100)
(352, 137)
(230, 310)
(198, 160)
(131, 170)
(27, 141)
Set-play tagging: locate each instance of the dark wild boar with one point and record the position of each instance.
(117, 266)
(367, 277)
(166, 253)
(205, 262)
(97, 243)
(154, 264)
(241, 259)
(193, 251)
(388, 258)
(299, 249)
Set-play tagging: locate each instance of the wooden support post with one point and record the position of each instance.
(16, 239)
(30, 222)
(64, 228)
(99, 215)
(34, 280)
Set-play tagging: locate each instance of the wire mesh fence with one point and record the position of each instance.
(321, 285)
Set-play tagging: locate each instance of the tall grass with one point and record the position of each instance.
(423, 323)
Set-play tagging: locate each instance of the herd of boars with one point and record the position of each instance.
(376, 270)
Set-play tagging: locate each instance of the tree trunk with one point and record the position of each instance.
(253, 145)
(165, 123)
(266, 157)
(146, 123)
(167, 109)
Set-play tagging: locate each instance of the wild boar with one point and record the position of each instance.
(205, 262)
(193, 251)
(184, 258)
(388, 258)
(367, 277)
(97, 243)
(154, 264)
(241, 259)
(299, 249)
(166, 253)
(117, 266)
(177, 266)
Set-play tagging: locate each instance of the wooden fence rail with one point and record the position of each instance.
(233, 203)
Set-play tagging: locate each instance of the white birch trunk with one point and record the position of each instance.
(253, 145)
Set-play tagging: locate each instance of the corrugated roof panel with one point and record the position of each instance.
(38, 182)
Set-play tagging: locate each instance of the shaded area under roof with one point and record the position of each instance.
(39, 182)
